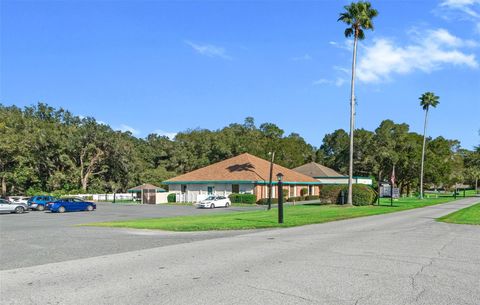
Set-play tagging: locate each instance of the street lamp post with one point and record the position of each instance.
(280, 197)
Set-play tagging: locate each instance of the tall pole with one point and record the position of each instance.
(270, 182)
(379, 185)
(280, 201)
(423, 153)
(352, 120)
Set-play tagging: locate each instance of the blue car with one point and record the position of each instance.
(39, 203)
(71, 205)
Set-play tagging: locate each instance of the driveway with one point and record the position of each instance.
(37, 238)
(399, 258)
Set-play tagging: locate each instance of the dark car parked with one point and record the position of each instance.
(71, 204)
(39, 202)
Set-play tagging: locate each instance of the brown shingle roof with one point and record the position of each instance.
(145, 186)
(313, 169)
(244, 167)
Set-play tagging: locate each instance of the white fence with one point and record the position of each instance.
(107, 197)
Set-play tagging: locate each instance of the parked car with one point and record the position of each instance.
(39, 202)
(18, 199)
(71, 204)
(214, 202)
(11, 207)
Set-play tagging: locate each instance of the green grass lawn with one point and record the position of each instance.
(470, 215)
(294, 216)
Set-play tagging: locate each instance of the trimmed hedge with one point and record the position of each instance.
(362, 194)
(264, 201)
(243, 198)
(312, 197)
(172, 198)
(291, 199)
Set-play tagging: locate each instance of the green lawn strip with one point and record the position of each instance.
(470, 216)
(294, 216)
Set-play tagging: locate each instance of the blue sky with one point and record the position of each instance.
(166, 66)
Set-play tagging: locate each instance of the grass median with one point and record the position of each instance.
(294, 216)
(470, 216)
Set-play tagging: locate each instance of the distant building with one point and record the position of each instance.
(241, 174)
(326, 175)
(147, 193)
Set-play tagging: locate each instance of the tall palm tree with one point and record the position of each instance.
(359, 17)
(427, 100)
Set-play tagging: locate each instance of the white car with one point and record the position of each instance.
(214, 202)
(18, 199)
(10, 207)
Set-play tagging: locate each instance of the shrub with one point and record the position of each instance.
(304, 192)
(312, 197)
(291, 199)
(362, 194)
(330, 193)
(172, 198)
(265, 201)
(243, 198)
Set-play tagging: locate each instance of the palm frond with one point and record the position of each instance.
(348, 32)
(361, 34)
(359, 15)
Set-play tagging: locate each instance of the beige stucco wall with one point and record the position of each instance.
(196, 192)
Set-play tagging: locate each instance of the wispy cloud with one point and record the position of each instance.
(431, 50)
(339, 81)
(170, 135)
(126, 128)
(209, 50)
(463, 10)
(303, 57)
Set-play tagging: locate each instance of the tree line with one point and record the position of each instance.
(43, 149)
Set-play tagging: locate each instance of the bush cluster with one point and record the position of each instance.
(362, 194)
(291, 199)
(312, 197)
(243, 198)
(264, 201)
(172, 198)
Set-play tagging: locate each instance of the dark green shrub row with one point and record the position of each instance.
(362, 194)
(243, 198)
(264, 201)
(172, 198)
(312, 197)
(291, 199)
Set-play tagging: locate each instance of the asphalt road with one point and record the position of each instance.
(37, 238)
(400, 258)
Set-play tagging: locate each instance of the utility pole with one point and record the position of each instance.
(270, 181)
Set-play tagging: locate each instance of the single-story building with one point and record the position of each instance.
(326, 175)
(241, 174)
(148, 193)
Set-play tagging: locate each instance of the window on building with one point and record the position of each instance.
(235, 188)
(292, 191)
(310, 190)
(184, 188)
(210, 190)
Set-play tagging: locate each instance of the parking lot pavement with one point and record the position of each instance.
(37, 238)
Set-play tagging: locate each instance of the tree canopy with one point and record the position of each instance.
(44, 149)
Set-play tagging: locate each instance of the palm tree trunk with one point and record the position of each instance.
(423, 153)
(352, 122)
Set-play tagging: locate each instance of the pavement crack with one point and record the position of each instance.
(283, 293)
